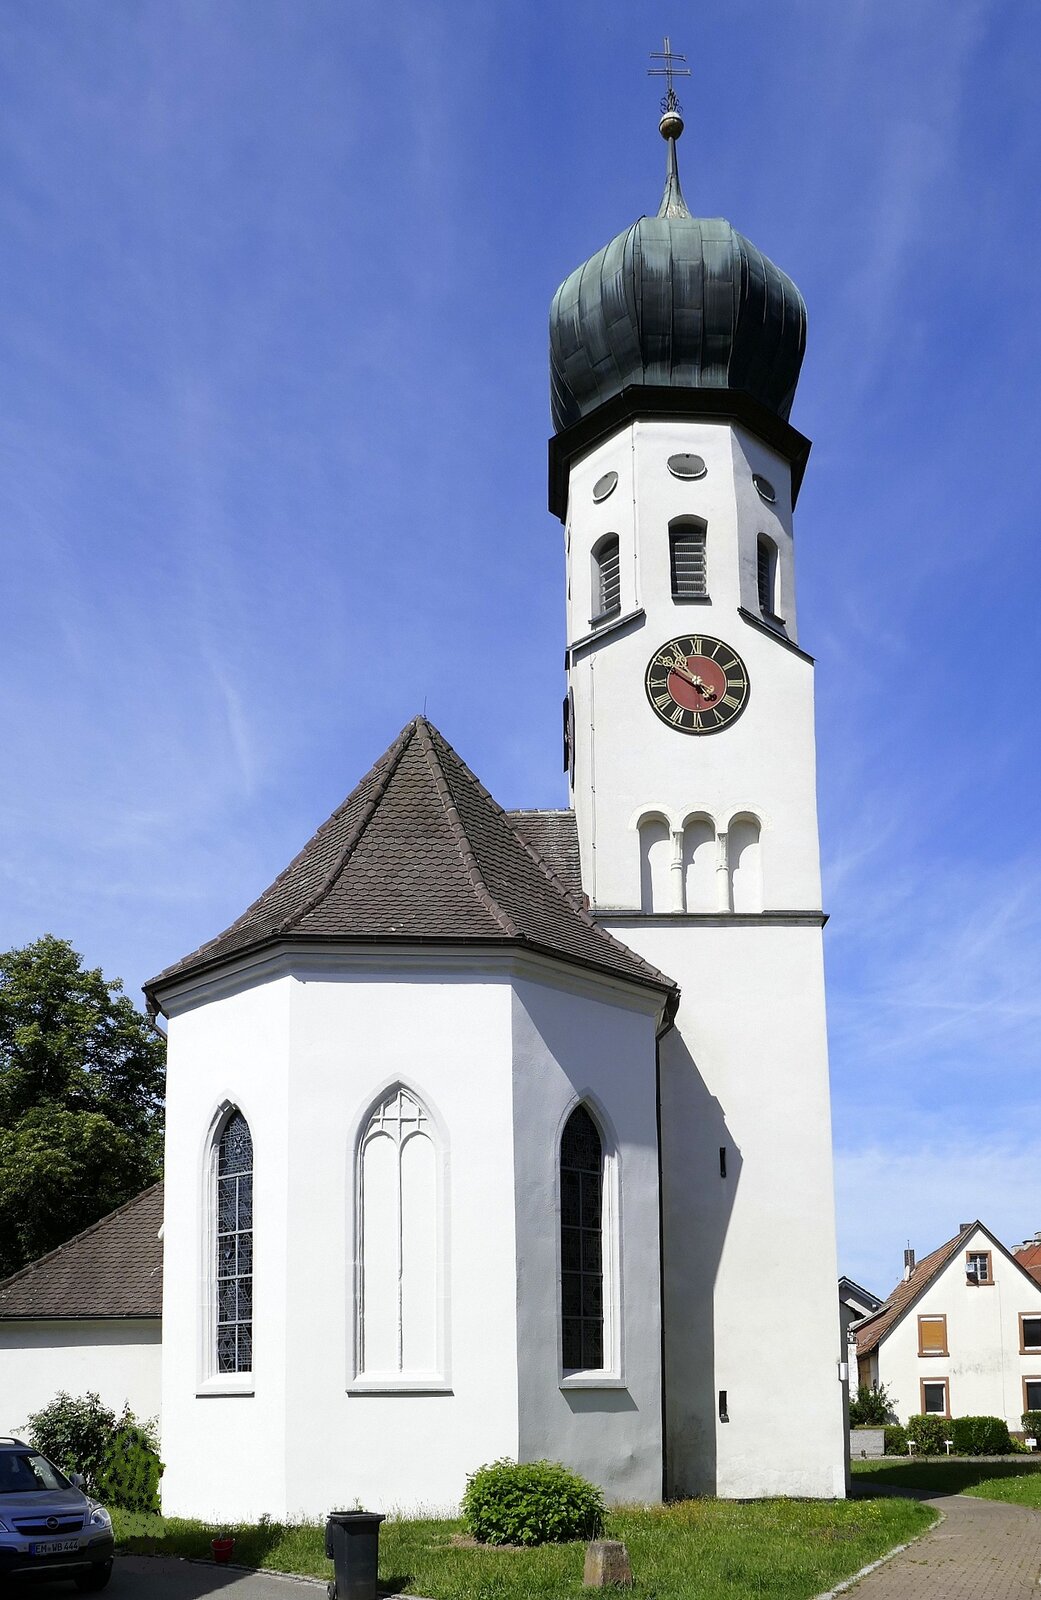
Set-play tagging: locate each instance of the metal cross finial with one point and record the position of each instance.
(669, 102)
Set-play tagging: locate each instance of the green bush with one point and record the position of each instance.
(533, 1502)
(74, 1434)
(131, 1468)
(980, 1436)
(1032, 1425)
(928, 1434)
(895, 1440)
(870, 1407)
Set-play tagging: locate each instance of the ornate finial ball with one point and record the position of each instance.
(671, 125)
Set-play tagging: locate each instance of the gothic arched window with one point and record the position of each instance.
(399, 1208)
(582, 1244)
(607, 577)
(234, 1241)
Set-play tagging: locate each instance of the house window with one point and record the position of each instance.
(1029, 1334)
(687, 560)
(1032, 1394)
(932, 1336)
(766, 574)
(582, 1244)
(607, 578)
(935, 1397)
(977, 1267)
(398, 1202)
(234, 1233)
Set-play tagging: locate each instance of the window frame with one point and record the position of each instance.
(926, 1316)
(599, 613)
(1028, 1378)
(923, 1384)
(768, 606)
(678, 528)
(988, 1256)
(1024, 1348)
(209, 1379)
(610, 1374)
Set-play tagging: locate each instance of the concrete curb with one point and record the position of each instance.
(873, 1566)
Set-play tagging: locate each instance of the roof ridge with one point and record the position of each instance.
(391, 760)
(84, 1233)
(576, 904)
(459, 834)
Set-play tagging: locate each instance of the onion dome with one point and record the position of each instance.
(675, 301)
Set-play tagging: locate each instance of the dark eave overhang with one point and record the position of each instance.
(653, 402)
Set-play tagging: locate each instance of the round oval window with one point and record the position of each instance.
(765, 487)
(605, 486)
(685, 466)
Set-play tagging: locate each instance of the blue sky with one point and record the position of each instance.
(273, 420)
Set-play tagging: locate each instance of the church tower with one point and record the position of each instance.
(689, 734)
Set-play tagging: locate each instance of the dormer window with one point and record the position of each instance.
(687, 559)
(607, 578)
(766, 575)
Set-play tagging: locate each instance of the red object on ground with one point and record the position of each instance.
(222, 1549)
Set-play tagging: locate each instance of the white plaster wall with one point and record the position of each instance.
(590, 1046)
(751, 1306)
(120, 1361)
(627, 761)
(985, 1370)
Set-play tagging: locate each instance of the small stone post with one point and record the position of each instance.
(607, 1565)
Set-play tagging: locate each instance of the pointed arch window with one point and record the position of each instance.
(582, 1244)
(400, 1337)
(607, 577)
(234, 1242)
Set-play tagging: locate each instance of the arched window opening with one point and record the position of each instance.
(766, 574)
(398, 1199)
(607, 577)
(234, 1233)
(582, 1244)
(655, 865)
(699, 865)
(687, 559)
(744, 853)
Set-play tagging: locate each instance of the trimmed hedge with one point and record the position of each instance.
(980, 1436)
(895, 1439)
(928, 1433)
(531, 1502)
(1032, 1424)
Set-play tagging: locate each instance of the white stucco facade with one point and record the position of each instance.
(744, 1075)
(119, 1360)
(985, 1360)
(498, 1050)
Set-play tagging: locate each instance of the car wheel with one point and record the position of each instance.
(97, 1578)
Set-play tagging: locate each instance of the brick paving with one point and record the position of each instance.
(983, 1550)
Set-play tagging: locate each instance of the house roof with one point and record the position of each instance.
(1028, 1256)
(113, 1269)
(854, 1293)
(419, 852)
(872, 1330)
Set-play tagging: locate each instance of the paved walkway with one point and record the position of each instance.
(158, 1578)
(983, 1550)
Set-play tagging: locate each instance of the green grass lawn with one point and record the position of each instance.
(693, 1550)
(1018, 1482)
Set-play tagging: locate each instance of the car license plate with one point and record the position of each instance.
(53, 1547)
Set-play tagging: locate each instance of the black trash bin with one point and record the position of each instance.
(352, 1544)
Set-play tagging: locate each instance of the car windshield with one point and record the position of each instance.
(27, 1474)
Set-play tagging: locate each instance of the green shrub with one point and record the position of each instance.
(74, 1434)
(928, 1433)
(980, 1436)
(131, 1468)
(1032, 1425)
(533, 1502)
(870, 1407)
(896, 1440)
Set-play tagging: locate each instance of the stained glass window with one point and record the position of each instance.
(581, 1243)
(235, 1247)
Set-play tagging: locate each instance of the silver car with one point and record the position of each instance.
(48, 1527)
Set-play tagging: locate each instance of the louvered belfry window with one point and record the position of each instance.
(687, 557)
(235, 1247)
(581, 1243)
(766, 573)
(607, 577)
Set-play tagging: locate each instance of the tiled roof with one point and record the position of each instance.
(553, 835)
(419, 852)
(871, 1333)
(1028, 1256)
(112, 1269)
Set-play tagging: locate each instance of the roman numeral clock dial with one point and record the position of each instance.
(696, 684)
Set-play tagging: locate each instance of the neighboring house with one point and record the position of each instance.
(1028, 1254)
(855, 1304)
(88, 1317)
(960, 1335)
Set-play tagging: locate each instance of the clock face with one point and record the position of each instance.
(696, 684)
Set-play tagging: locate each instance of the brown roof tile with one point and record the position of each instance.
(112, 1269)
(420, 852)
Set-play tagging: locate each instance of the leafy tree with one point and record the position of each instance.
(81, 1099)
(870, 1407)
